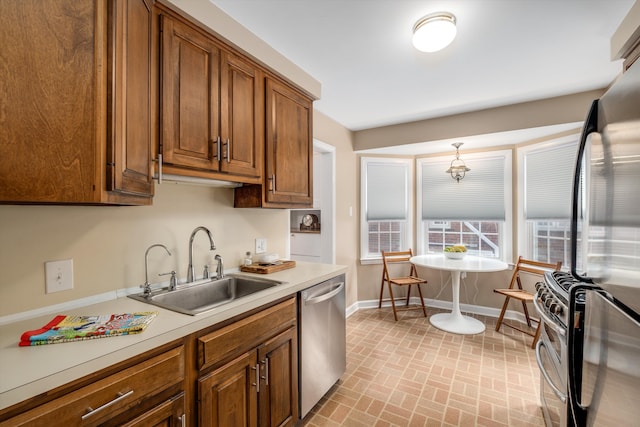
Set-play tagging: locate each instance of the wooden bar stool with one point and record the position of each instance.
(409, 281)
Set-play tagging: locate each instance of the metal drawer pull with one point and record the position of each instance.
(106, 405)
(545, 374)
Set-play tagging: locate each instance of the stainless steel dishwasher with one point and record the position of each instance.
(323, 349)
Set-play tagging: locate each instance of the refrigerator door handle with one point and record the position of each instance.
(590, 126)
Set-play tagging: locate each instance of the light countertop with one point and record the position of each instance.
(28, 371)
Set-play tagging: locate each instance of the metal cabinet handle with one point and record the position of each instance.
(266, 371)
(257, 383)
(272, 183)
(159, 161)
(92, 411)
(227, 151)
(218, 149)
(183, 420)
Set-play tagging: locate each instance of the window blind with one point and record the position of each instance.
(480, 196)
(548, 175)
(387, 191)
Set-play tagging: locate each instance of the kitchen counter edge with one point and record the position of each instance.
(29, 371)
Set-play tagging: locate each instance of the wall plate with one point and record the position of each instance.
(58, 275)
(261, 245)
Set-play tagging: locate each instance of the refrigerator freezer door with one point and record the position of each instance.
(611, 372)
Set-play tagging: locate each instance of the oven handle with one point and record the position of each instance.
(562, 396)
(548, 320)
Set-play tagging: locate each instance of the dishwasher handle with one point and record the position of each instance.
(320, 298)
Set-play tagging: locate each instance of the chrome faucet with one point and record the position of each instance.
(220, 268)
(147, 285)
(190, 271)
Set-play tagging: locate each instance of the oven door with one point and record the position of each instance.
(553, 396)
(551, 355)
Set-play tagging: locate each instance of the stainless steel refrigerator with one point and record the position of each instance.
(604, 309)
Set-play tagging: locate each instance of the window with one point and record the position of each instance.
(386, 193)
(475, 211)
(545, 183)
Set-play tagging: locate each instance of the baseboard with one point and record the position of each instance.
(444, 305)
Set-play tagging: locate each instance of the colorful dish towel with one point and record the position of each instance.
(77, 328)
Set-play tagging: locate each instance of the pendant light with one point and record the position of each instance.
(458, 169)
(434, 32)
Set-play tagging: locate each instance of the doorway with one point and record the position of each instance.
(317, 244)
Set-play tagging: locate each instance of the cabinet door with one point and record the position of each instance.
(190, 96)
(228, 395)
(129, 134)
(279, 380)
(289, 147)
(168, 414)
(241, 117)
(48, 110)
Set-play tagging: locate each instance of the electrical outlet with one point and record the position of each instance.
(261, 245)
(58, 275)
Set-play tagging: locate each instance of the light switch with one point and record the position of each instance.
(58, 275)
(261, 245)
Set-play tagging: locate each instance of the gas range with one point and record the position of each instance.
(552, 304)
(553, 295)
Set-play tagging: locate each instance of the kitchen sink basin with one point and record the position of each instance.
(198, 297)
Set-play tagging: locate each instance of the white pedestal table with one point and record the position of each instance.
(455, 321)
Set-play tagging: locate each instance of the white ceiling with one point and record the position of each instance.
(506, 51)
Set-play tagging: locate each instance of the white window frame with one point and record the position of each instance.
(407, 235)
(525, 230)
(506, 234)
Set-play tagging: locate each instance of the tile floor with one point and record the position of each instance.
(409, 373)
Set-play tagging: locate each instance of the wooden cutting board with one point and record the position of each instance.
(266, 267)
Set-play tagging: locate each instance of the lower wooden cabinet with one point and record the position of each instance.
(258, 388)
(125, 396)
(169, 414)
(257, 384)
(278, 394)
(229, 396)
(244, 373)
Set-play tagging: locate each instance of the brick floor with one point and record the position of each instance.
(409, 373)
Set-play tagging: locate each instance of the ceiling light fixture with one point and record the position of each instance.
(457, 169)
(434, 32)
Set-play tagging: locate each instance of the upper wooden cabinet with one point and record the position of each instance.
(212, 107)
(76, 102)
(288, 179)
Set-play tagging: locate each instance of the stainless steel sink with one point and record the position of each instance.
(198, 297)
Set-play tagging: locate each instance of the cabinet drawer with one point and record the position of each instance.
(110, 396)
(218, 346)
